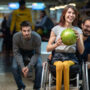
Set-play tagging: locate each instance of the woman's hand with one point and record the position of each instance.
(58, 42)
(51, 43)
(77, 34)
(80, 44)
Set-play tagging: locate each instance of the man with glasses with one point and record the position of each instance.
(26, 50)
(86, 38)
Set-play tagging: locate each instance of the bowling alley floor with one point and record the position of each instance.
(6, 78)
(7, 82)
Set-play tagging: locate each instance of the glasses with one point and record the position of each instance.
(87, 26)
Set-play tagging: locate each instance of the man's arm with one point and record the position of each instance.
(37, 52)
(16, 52)
(42, 22)
(13, 21)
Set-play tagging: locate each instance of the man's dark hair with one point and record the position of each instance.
(21, 2)
(84, 20)
(25, 23)
(44, 12)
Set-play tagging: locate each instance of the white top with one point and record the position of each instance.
(64, 48)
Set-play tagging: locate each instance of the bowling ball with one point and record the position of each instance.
(39, 31)
(68, 36)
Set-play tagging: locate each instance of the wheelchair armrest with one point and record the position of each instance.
(75, 68)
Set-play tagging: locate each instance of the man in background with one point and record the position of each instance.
(19, 15)
(44, 26)
(86, 38)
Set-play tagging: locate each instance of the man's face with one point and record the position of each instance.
(26, 32)
(86, 28)
(22, 7)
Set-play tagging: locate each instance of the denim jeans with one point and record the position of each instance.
(16, 70)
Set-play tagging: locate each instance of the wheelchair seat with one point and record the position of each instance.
(73, 69)
(49, 75)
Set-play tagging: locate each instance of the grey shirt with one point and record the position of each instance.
(64, 48)
(34, 43)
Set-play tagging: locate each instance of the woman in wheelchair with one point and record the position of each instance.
(64, 56)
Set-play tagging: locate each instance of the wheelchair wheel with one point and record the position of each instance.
(44, 80)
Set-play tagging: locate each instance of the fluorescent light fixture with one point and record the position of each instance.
(52, 9)
(13, 6)
(29, 6)
(2, 8)
(73, 4)
(61, 7)
(38, 6)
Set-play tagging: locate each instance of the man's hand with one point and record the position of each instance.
(88, 64)
(88, 61)
(25, 71)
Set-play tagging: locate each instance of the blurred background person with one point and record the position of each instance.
(20, 15)
(16, 17)
(6, 33)
(43, 25)
(4, 30)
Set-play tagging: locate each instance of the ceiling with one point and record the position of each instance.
(50, 3)
(46, 1)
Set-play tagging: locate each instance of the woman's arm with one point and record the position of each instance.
(51, 45)
(80, 44)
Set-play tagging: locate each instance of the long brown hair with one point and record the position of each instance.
(62, 19)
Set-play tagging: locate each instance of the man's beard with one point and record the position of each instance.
(27, 37)
(86, 34)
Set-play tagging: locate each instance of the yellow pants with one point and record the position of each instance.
(62, 66)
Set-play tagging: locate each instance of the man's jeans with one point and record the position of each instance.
(17, 74)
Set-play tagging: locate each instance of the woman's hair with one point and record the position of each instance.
(62, 19)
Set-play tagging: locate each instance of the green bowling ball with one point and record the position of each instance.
(68, 36)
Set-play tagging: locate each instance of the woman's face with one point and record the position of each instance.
(70, 16)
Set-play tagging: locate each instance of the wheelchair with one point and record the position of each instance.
(85, 82)
(49, 76)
